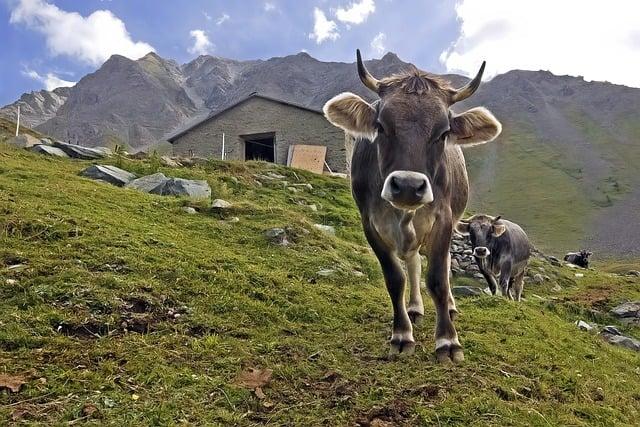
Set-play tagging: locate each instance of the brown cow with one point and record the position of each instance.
(410, 183)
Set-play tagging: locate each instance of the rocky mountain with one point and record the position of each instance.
(36, 107)
(565, 166)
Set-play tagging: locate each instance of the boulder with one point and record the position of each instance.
(46, 141)
(328, 229)
(581, 324)
(48, 150)
(194, 189)
(110, 174)
(555, 261)
(466, 291)
(538, 279)
(189, 210)
(220, 204)
(24, 141)
(611, 330)
(628, 309)
(104, 150)
(277, 236)
(148, 183)
(168, 161)
(621, 341)
(78, 152)
(633, 273)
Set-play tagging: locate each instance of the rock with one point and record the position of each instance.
(110, 174)
(313, 208)
(581, 324)
(478, 276)
(78, 152)
(621, 341)
(326, 272)
(234, 219)
(46, 141)
(633, 273)
(11, 282)
(24, 141)
(183, 187)
(104, 150)
(455, 265)
(611, 330)
(48, 150)
(169, 162)
(277, 236)
(578, 275)
(554, 261)
(189, 210)
(628, 309)
(220, 204)
(292, 189)
(326, 229)
(274, 175)
(358, 273)
(466, 291)
(148, 183)
(467, 252)
(556, 288)
(538, 279)
(140, 155)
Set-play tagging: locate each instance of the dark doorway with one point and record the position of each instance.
(260, 147)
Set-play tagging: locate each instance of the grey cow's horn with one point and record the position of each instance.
(469, 89)
(366, 78)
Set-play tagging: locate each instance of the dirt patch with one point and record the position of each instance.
(394, 413)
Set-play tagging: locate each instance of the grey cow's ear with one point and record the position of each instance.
(474, 126)
(352, 114)
(462, 227)
(499, 229)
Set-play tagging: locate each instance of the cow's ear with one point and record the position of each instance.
(352, 114)
(462, 227)
(499, 229)
(474, 126)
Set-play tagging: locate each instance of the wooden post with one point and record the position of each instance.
(222, 146)
(18, 122)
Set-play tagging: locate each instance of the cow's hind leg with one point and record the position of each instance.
(416, 306)
(518, 285)
(402, 341)
(448, 346)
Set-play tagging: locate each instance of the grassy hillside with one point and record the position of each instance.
(125, 310)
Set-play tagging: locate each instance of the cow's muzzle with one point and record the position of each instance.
(481, 252)
(407, 190)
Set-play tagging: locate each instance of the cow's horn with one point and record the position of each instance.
(469, 89)
(496, 219)
(368, 80)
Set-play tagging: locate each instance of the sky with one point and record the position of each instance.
(50, 43)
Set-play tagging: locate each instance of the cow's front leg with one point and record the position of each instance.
(505, 279)
(402, 341)
(416, 307)
(448, 346)
(491, 280)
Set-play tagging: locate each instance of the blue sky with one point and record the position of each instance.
(50, 42)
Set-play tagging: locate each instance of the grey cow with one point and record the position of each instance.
(500, 248)
(410, 184)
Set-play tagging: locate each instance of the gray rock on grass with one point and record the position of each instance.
(627, 309)
(83, 153)
(194, 189)
(466, 291)
(24, 141)
(48, 150)
(148, 183)
(110, 174)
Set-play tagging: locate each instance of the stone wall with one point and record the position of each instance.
(291, 125)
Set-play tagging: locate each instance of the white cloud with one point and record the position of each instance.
(91, 39)
(323, 29)
(357, 12)
(201, 43)
(207, 16)
(575, 37)
(50, 80)
(377, 44)
(268, 6)
(224, 18)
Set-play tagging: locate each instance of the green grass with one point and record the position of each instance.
(95, 256)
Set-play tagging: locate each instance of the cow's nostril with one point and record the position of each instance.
(393, 184)
(422, 188)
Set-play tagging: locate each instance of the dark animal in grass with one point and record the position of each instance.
(581, 259)
(410, 184)
(501, 249)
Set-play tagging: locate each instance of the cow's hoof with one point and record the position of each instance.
(450, 353)
(415, 317)
(401, 348)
